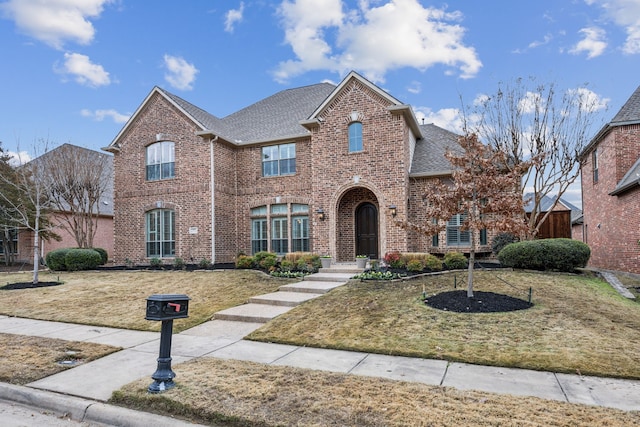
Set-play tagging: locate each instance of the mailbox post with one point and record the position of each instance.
(165, 307)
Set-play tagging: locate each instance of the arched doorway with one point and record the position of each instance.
(366, 227)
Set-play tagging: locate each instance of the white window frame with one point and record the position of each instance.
(279, 160)
(160, 161)
(160, 233)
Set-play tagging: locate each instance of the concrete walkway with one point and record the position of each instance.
(223, 338)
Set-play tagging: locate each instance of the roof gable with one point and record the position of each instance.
(428, 158)
(630, 111)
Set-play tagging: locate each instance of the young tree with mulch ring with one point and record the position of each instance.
(483, 189)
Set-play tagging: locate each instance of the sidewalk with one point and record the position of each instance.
(81, 389)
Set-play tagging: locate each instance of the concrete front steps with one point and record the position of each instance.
(262, 308)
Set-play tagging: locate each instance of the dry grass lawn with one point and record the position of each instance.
(578, 324)
(118, 298)
(25, 359)
(231, 393)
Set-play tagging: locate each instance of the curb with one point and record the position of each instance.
(84, 410)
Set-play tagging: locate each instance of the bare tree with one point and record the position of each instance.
(539, 122)
(25, 201)
(484, 188)
(78, 180)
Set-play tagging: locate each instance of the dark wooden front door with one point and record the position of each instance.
(367, 230)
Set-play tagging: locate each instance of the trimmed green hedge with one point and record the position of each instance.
(55, 259)
(74, 259)
(103, 255)
(546, 254)
(82, 259)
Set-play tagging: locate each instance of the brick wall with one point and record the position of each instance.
(611, 222)
(188, 193)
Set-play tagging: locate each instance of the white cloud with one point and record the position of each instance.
(373, 39)
(589, 100)
(625, 14)
(537, 43)
(84, 71)
(55, 22)
(447, 118)
(593, 42)
(18, 158)
(415, 87)
(100, 115)
(181, 74)
(232, 17)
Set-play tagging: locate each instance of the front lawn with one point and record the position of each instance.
(578, 324)
(118, 298)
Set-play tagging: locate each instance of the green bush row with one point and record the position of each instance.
(546, 254)
(75, 259)
(268, 261)
(418, 261)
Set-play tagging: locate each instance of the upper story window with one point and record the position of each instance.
(595, 165)
(161, 161)
(355, 137)
(279, 160)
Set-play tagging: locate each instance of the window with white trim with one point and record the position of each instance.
(455, 236)
(160, 227)
(279, 160)
(355, 137)
(259, 239)
(160, 161)
(285, 229)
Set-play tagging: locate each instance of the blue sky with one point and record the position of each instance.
(73, 71)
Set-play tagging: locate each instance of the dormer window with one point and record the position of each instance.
(160, 161)
(355, 137)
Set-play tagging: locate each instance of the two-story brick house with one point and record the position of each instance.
(321, 168)
(610, 167)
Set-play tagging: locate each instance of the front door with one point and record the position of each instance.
(367, 230)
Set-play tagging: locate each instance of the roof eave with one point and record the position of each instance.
(434, 174)
(625, 188)
(407, 112)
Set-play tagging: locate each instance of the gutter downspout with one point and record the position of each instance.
(213, 200)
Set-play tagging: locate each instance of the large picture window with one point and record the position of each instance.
(285, 229)
(279, 160)
(161, 241)
(160, 161)
(355, 137)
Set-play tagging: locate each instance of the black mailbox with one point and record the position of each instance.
(167, 307)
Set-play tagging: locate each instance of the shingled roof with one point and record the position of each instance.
(630, 111)
(428, 158)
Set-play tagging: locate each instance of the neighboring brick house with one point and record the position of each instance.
(23, 239)
(321, 168)
(610, 167)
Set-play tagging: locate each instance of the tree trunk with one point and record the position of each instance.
(36, 246)
(472, 261)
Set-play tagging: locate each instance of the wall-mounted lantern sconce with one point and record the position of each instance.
(393, 210)
(320, 213)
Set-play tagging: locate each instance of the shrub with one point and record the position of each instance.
(415, 265)
(286, 265)
(103, 255)
(178, 263)
(455, 261)
(82, 259)
(546, 254)
(244, 261)
(308, 263)
(501, 240)
(433, 263)
(394, 260)
(265, 260)
(155, 262)
(205, 263)
(55, 259)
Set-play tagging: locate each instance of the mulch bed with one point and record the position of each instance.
(28, 285)
(482, 302)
